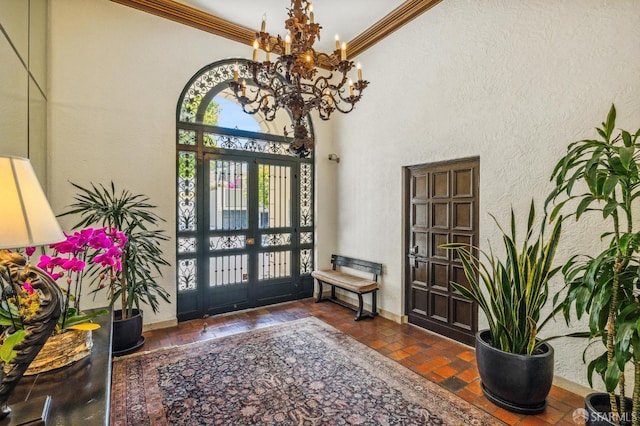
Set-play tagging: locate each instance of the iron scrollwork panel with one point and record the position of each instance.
(306, 261)
(274, 240)
(187, 191)
(306, 195)
(187, 245)
(187, 274)
(227, 242)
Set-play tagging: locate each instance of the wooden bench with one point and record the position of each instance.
(355, 284)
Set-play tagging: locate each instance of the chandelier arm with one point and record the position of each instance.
(268, 112)
(323, 83)
(325, 112)
(245, 101)
(331, 60)
(259, 71)
(259, 103)
(349, 101)
(269, 43)
(344, 110)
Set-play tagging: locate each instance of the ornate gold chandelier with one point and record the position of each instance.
(293, 80)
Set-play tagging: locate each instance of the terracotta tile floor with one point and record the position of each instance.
(450, 364)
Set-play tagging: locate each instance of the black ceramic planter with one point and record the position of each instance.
(598, 410)
(518, 383)
(127, 333)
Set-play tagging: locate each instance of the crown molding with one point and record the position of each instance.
(193, 17)
(196, 18)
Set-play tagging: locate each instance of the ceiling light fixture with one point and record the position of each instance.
(293, 81)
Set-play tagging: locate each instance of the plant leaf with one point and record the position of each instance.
(6, 350)
(85, 326)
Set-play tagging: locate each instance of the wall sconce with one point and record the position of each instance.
(334, 157)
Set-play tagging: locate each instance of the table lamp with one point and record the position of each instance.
(26, 219)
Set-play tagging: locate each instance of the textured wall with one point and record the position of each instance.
(512, 82)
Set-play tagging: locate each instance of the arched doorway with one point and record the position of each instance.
(244, 233)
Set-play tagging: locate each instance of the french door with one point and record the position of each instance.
(245, 230)
(441, 206)
(251, 234)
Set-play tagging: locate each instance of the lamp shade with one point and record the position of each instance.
(26, 219)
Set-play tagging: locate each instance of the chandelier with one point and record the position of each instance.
(293, 80)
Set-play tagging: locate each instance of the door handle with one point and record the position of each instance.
(415, 261)
(414, 250)
(251, 241)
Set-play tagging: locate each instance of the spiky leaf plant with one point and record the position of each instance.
(143, 258)
(512, 291)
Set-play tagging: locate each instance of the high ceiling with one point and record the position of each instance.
(347, 18)
(361, 23)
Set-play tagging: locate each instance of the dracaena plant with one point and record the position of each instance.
(512, 291)
(142, 258)
(602, 177)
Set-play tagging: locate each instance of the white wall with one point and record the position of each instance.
(115, 78)
(512, 82)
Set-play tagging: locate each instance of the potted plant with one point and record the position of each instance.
(603, 175)
(66, 263)
(515, 367)
(142, 256)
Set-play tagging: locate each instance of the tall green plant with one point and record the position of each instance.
(603, 175)
(513, 291)
(142, 256)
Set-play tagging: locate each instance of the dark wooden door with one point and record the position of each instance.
(441, 206)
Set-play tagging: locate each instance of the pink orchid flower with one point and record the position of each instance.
(28, 288)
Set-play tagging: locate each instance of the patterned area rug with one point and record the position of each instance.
(303, 372)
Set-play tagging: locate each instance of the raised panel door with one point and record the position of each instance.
(442, 207)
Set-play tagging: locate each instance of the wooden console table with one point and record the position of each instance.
(80, 393)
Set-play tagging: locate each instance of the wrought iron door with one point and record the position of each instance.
(230, 238)
(244, 207)
(251, 232)
(245, 227)
(441, 207)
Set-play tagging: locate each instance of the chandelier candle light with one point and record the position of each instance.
(293, 81)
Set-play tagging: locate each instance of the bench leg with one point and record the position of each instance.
(360, 307)
(360, 314)
(319, 297)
